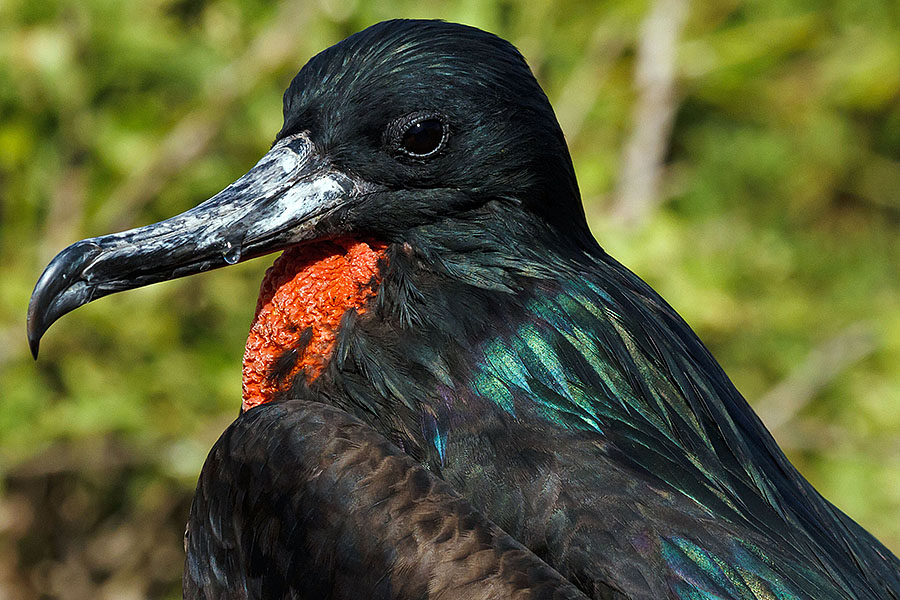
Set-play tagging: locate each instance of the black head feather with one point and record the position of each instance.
(503, 142)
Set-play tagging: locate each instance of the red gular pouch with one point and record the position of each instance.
(302, 299)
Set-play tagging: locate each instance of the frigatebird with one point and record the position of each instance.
(441, 297)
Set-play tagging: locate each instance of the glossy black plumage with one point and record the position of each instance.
(362, 520)
(504, 349)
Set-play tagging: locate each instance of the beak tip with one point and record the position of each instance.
(59, 290)
(35, 328)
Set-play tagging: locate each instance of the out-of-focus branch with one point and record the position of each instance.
(822, 366)
(655, 73)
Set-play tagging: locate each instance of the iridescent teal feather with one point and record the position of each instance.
(621, 364)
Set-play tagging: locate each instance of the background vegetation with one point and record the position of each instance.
(742, 156)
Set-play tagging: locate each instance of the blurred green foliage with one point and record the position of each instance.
(776, 236)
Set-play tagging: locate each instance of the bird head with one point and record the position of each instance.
(401, 128)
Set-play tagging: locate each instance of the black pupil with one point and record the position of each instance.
(423, 137)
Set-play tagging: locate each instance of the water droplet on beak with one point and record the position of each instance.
(232, 253)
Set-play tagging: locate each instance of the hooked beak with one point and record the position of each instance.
(281, 201)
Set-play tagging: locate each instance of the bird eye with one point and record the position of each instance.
(423, 138)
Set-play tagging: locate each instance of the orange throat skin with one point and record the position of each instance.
(302, 299)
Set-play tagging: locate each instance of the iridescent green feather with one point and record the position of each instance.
(574, 364)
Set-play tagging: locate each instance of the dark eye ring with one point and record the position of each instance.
(423, 137)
